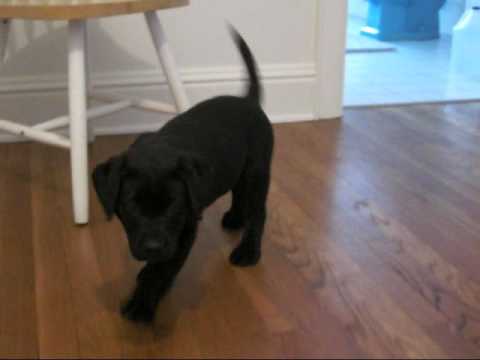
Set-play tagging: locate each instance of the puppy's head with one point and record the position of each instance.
(151, 190)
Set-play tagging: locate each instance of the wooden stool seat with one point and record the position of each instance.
(79, 9)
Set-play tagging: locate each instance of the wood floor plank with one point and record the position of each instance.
(365, 306)
(438, 281)
(18, 320)
(349, 220)
(57, 329)
(411, 144)
(423, 199)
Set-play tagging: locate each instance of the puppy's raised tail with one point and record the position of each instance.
(255, 91)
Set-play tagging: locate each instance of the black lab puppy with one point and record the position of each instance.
(160, 185)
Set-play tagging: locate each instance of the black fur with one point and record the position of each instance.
(159, 187)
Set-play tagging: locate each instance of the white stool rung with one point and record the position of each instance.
(92, 113)
(4, 32)
(35, 134)
(144, 104)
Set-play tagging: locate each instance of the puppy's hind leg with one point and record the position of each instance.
(235, 218)
(249, 251)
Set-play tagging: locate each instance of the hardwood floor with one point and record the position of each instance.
(371, 249)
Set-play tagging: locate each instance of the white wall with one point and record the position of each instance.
(280, 32)
(450, 14)
(358, 8)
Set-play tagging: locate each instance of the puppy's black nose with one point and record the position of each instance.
(152, 245)
(155, 249)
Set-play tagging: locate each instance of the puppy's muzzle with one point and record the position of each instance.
(154, 249)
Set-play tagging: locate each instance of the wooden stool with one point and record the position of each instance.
(76, 12)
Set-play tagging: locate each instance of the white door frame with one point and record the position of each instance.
(331, 33)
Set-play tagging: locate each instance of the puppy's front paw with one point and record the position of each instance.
(137, 309)
(245, 256)
(232, 221)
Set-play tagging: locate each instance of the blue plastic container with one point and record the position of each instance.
(395, 20)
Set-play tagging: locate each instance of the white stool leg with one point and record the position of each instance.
(88, 84)
(78, 120)
(4, 30)
(87, 58)
(167, 61)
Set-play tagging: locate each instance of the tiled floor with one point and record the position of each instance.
(415, 72)
(357, 42)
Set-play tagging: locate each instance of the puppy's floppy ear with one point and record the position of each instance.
(106, 180)
(190, 169)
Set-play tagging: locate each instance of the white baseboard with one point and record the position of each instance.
(33, 99)
(208, 75)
